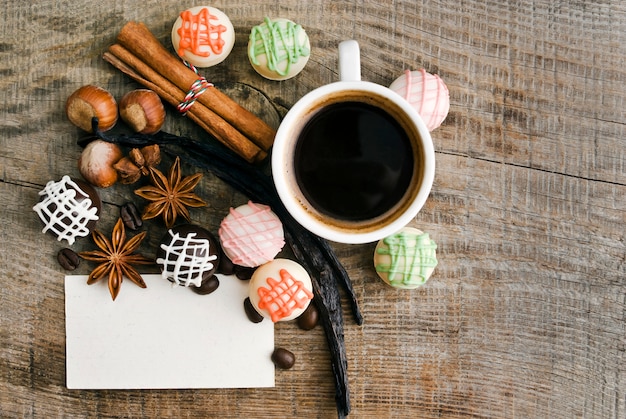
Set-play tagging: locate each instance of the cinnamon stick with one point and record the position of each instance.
(138, 39)
(126, 62)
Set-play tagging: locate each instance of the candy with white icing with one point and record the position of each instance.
(203, 36)
(188, 255)
(251, 235)
(280, 290)
(68, 209)
(405, 259)
(278, 49)
(427, 93)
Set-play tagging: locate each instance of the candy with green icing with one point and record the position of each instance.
(278, 49)
(406, 259)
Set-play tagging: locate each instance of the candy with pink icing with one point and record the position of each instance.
(427, 93)
(280, 290)
(251, 235)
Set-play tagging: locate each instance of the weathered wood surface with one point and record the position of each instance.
(525, 315)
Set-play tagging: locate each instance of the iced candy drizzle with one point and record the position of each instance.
(280, 42)
(428, 88)
(186, 258)
(254, 238)
(412, 255)
(283, 296)
(197, 33)
(66, 210)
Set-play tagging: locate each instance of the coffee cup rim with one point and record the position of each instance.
(280, 165)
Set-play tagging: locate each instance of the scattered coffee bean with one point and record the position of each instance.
(308, 319)
(244, 273)
(207, 286)
(226, 266)
(251, 312)
(130, 216)
(283, 358)
(68, 259)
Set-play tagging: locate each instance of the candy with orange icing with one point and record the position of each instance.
(427, 93)
(280, 290)
(203, 36)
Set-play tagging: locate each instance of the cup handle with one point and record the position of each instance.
(349, 61)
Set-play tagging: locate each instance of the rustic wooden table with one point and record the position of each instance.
(525, 315)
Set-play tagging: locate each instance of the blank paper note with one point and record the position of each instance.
(164, 337)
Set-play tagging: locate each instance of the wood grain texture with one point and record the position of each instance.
(525, 315)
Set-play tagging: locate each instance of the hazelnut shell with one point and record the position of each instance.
(96, 163)
(88, 102)
(143, 111)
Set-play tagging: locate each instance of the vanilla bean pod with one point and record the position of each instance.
(312, 251)
(303, 245)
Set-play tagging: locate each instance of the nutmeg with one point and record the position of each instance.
(96, 163)
(143, 111)
(88, 102)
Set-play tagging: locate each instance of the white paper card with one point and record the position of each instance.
(162, 337)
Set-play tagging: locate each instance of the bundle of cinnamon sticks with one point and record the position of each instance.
(140, 55)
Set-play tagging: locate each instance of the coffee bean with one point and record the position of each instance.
(207, 286)
(226, 265)
(251, 312)
(243, 272)
(130, 216)
(308, 319)
(68, 259)
(283, 358)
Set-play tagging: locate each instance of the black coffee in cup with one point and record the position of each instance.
(353, 161)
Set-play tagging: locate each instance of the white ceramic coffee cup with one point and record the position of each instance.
(352, 88)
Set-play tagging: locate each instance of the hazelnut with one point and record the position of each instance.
(143, 111)
(88, 102)
(96, 163)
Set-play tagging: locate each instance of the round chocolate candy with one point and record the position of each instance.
(68, 208)
(427, 93)
(203, 36)
(278, 49)
(280, 290)
(189, 256)
(406, 259)
(251, 235)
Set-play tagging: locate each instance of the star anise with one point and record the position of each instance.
(170, 196)
(116, 257)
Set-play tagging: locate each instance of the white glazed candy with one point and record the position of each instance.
(280, 290)
(427, 93)
(68, 209)
(188, 255)
(405, 259)
(251, 235)
(278, 49)
(203, 36)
